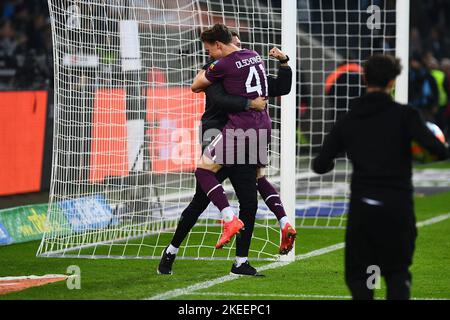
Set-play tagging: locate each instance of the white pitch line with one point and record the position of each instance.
(433, 220)
(210, 283)
(272, 295)
(207, 284)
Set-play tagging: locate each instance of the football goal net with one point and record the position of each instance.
(126, 122)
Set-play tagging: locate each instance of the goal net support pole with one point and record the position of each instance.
(402, 49)
(288, 116)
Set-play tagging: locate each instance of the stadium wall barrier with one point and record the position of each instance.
(22, 224)
(29, 223)
(22, 134)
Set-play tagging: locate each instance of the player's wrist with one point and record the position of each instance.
(284, 60)
(248, 105)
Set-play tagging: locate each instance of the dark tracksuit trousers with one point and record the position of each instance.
(381, 231)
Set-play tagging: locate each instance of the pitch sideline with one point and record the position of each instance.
(210, 283)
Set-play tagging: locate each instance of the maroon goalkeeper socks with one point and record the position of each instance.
(212, 187)
(271, 198)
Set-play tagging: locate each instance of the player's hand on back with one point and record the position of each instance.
(277, 54)
(258, 104)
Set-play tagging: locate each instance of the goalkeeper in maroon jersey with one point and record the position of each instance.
(245, 137)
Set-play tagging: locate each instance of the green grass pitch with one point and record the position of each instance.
(318, 277)
(433, 165)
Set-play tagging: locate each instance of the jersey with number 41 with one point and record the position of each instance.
(243, 74)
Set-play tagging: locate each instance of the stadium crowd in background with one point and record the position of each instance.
(429, 89)
(25, 45)
(429, 73)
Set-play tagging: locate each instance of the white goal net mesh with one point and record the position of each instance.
(126, 121)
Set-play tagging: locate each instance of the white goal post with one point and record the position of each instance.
(126, 122)
(288, 117)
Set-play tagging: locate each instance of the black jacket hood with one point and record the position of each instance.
(370, 104)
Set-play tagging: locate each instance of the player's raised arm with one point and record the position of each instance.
(281, 85)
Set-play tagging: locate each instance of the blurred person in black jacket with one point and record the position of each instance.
(376, 135)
